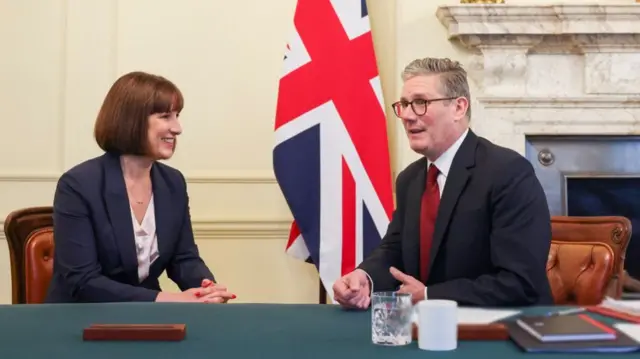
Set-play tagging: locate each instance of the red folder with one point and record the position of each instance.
(608, 312)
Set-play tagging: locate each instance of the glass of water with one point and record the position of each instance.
(391, 318)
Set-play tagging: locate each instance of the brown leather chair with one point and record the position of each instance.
(586, 260)
(29, 233)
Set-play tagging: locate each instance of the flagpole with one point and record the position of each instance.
(323, 294)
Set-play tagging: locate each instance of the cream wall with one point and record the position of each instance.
(60, 57)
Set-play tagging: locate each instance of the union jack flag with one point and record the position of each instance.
(331, 156)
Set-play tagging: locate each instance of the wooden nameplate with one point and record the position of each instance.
(494, 331)
(156, 332)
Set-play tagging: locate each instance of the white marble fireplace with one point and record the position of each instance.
(561, 85)
(550, 69)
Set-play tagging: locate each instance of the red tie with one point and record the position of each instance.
(428, 213)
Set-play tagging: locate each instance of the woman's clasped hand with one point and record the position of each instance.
(208, 292)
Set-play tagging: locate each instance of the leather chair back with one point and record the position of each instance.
(29, 234)
(586, 260)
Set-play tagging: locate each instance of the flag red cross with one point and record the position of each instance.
(340, 70)
(343, 71)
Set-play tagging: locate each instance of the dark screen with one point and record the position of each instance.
(609, 196)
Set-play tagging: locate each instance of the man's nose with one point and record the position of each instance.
(407, 114)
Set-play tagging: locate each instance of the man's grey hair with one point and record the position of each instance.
(453, 77)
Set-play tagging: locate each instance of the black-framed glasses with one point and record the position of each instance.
(419, 105)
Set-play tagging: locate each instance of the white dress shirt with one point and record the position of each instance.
(443, 164)
(146, 240)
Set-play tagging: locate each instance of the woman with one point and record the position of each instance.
(122, 218)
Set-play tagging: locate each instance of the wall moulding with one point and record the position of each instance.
(241, 229)
(29, 177)
(578, 102)
(263, 229)
(224, 177)
(221, 177)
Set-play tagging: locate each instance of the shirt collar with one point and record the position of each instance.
(443, 163)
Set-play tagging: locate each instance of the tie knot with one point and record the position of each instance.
(432, 175)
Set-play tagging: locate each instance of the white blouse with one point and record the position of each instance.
(146, 240)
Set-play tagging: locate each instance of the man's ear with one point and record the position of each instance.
(461, 107)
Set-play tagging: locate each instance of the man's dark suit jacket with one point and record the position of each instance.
(492, 234)
(95, 253)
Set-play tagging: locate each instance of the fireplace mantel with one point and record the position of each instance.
(573, 26)
(549, 69)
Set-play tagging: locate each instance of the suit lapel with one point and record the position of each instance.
(456, 181)
(120, 215)
(414, 200)
(162, 201)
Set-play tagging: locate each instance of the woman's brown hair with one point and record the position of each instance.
(123, 120)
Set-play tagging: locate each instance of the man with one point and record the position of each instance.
(471, 224)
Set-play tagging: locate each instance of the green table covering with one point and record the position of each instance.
(234, 331)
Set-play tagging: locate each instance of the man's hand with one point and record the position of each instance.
(409, 285)
(352, 290)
